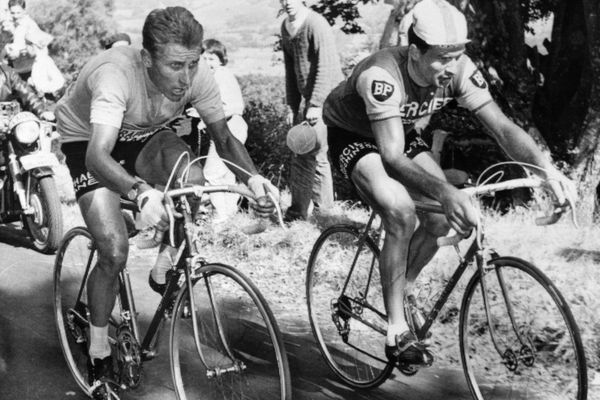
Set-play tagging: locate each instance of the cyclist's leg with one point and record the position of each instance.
(101, 211)
(102, 214)
(154, 164)
(159, 155)
(423, 245)
(396, 208)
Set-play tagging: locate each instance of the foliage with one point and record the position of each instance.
(265, 114)
(346, 10)
(78, 26)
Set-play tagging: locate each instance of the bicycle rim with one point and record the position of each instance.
(540, 354)
(351, 348)
(240, 354)
(74, 259)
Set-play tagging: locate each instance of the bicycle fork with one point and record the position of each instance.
(510, 358)
(236, 366)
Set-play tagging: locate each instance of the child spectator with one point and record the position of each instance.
(216, 171)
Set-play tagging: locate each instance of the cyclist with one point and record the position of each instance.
(113, 121)
(371, 118)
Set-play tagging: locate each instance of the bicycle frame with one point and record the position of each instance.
(476, 251)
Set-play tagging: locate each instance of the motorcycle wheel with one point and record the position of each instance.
(45, 226)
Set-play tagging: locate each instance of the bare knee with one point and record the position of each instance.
(400, 219)
(112, 256)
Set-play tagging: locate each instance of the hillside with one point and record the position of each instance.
(247, 27)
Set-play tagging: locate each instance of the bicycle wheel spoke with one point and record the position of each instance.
(345, 307)
(241, 356)
(537, 353)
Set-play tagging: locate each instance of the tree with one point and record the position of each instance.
(78, 26)
(586, 163)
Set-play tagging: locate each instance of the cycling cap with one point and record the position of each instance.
(302, 138)
(439, 23)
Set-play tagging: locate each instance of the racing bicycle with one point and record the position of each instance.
(518, 338)
(224, 340)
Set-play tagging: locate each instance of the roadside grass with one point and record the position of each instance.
(276, 261)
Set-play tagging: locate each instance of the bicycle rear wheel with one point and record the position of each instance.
(75, 259)
(239, 353)
(353, 349)
(537, 355)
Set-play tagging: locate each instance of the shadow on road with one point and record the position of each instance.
(14, 236)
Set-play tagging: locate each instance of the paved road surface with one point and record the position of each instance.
(32, 365)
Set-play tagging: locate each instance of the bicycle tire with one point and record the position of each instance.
(547, 362)
(249, 333)
(358, 357)
(75, 258)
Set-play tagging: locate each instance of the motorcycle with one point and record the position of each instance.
(28, 192)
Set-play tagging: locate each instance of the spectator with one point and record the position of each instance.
(215, 170)
(312, 70)
(116, 40)
(28, 39)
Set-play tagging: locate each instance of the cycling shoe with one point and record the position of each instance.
(102, 379)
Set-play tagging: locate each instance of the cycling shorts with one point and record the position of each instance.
(125, 153)
(346, 148)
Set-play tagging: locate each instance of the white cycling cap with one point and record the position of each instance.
(439, 23)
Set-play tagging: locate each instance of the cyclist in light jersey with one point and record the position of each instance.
(371, 119)
(113, 123)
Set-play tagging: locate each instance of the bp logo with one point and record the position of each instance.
(381, 90)
(478, 80)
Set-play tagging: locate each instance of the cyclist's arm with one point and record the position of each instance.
(102, 165)
(517, 144)
(231, 149)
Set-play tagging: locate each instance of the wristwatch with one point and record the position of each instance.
(133, 193)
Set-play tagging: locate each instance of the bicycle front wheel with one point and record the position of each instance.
(235, 350)
(527, 345)
(345, 306)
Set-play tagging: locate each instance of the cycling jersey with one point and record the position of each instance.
(114, 89)
(380, 88)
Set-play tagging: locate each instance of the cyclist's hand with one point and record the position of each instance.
(459, 210)
(261, 186)
(152, 210)
(313, 114)
(563, 188)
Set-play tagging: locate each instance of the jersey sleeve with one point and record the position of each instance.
(472, 90)
(109, 93)
(381, 93)
(205, 95)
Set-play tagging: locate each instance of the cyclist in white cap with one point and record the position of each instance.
(371, 119)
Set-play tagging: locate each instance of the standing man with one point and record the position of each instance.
(114, 125)
(371, 121)
(312, 69)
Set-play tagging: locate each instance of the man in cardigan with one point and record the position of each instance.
(312, 70)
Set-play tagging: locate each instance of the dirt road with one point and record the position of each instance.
(32, 365)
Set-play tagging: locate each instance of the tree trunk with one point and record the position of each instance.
(586, 165)
(560, 105)
(513, 23)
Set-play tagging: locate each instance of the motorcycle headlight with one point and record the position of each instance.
(25, 126)
(27, 132)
